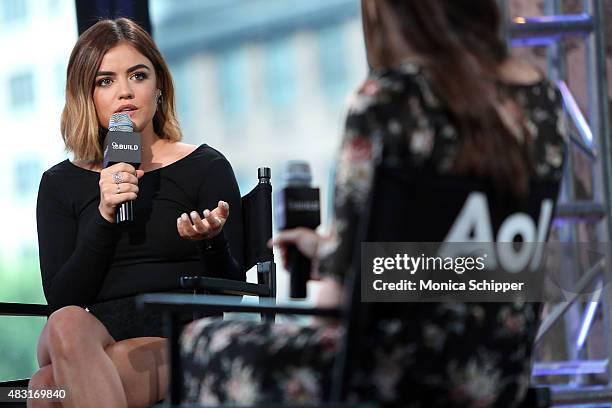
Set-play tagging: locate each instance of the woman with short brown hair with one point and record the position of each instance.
(95, 345)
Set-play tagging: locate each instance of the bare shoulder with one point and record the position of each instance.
(516, 71)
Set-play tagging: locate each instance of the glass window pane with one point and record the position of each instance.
(27, 177)
(333, 62)
(21, 90)
(281, 80)
(231, 77)
(267, 80)
(13, 11)
(31, 102)
(18, 340)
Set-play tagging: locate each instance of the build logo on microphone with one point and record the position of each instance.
(118, 146)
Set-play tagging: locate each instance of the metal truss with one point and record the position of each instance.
(591, 136)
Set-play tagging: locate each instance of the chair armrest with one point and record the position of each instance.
(211, 303)
(166, 404)
(13, 385)
(224, 286)
(536, 397)
(23, 383)
(23, 309)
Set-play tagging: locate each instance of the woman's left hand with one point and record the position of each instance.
(206, 227)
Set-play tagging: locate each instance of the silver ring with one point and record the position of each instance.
(117, 177)
(118, 188)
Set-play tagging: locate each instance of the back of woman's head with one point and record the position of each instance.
(460, 46)
(79, 124)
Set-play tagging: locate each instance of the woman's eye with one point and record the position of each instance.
(104, 82)
(139, 76)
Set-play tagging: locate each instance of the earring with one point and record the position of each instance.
(158, 98)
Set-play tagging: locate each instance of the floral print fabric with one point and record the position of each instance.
(416, 355)
(246, 362)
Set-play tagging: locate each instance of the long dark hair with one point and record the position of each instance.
(460, 45)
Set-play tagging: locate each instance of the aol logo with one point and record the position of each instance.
(117, 146)
(473, 225)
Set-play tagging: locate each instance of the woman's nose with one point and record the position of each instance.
(125, 90)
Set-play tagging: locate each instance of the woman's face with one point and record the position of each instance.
(126, 82)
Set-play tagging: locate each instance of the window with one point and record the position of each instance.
(60, 80)
(281, 81)
(21, 105)
(59, 74)
(232, 83)
(12, 10)
(21, 90)
(27, 177)
(55, 6)
(28, 252)
(332, 60)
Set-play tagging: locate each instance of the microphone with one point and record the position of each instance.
(297, 205)
(122, 145)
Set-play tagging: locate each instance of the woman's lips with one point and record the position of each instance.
(130, 112)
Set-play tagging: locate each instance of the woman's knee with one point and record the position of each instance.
(42, 380)
(71, 330)
(142, 364)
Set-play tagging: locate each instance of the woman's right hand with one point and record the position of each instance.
(306, 240)
(115, 190)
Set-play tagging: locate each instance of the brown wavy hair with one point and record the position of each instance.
(82, 133)
(461, 47)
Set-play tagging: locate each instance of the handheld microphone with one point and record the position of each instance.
(122, 145)
(297, 205)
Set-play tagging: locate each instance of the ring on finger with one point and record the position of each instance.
(118, 189)
(117, 177)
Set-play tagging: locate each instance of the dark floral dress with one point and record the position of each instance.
(416, 355)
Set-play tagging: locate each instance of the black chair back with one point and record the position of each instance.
(257, 220)
(355, 313)
(257, 227)
(257, 230)
(404, 219)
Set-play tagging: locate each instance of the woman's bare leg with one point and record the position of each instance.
(140, 363)
(43, 380)
(74, 342)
